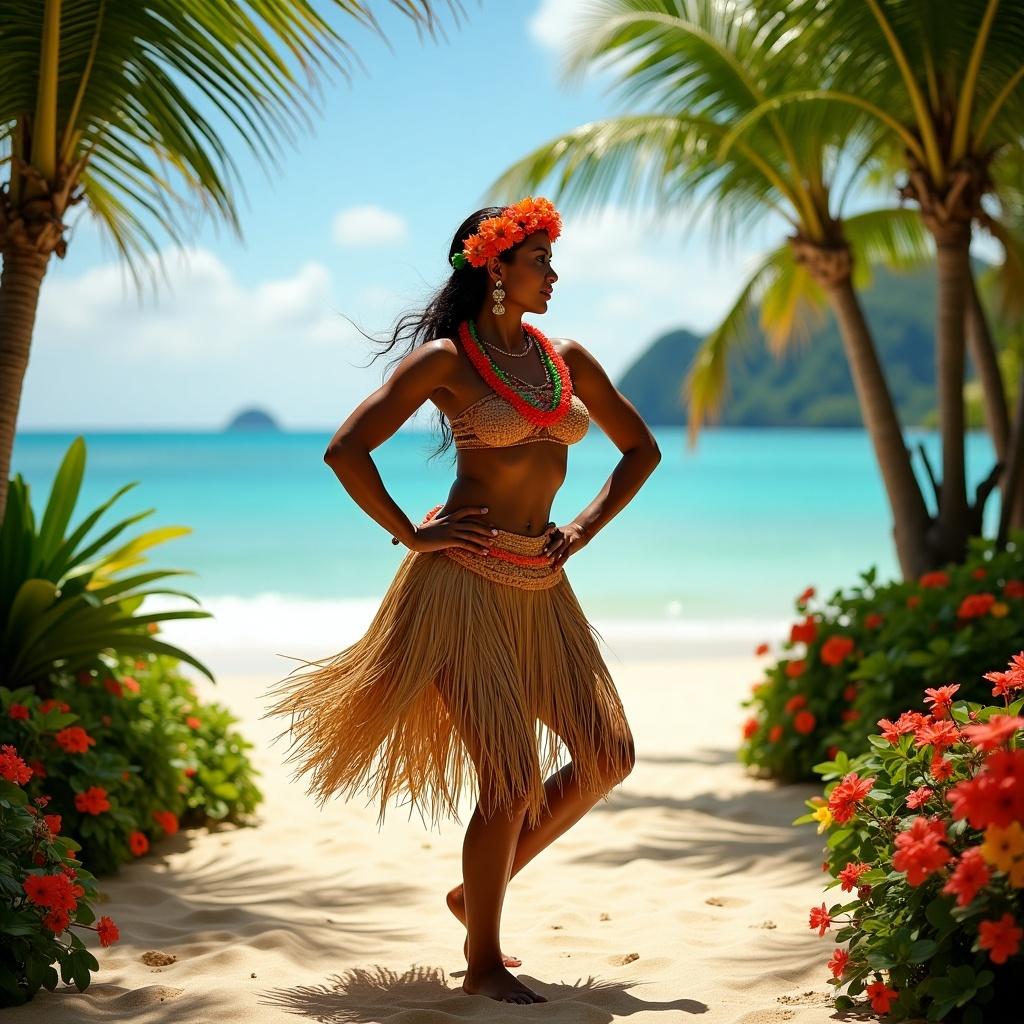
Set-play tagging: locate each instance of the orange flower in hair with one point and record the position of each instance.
(496, 234)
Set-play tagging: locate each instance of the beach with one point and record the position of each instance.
(686, 893)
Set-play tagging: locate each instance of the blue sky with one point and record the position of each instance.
(358, 219)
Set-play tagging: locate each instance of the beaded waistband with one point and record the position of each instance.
(515, 559)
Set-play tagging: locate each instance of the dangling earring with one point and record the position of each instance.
(497, 309)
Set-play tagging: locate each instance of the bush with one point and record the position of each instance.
(929, 835)
(865, 654)
(127, 757)
(44, 892)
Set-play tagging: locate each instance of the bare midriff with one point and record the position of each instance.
(517, 484)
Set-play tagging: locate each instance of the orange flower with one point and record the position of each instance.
(1001, 938)
(192, 722)
(92, 801)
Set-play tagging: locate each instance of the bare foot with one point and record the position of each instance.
(499, 984)
(457, 905)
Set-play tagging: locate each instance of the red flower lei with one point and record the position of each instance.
(538, 417)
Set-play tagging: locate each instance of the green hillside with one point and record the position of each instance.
(810, 385)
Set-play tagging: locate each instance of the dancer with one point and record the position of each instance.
(479, 663)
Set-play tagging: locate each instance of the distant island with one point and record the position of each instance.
(253, 419)
(810, 386)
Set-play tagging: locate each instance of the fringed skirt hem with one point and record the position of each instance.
(460, 681)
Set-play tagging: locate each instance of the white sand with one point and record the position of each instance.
(686, 894)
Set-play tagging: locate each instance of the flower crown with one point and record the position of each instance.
(510, 227)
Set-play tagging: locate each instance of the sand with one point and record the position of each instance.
(686, 894)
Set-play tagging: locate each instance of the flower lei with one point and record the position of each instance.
(498, 379)
(510, 227)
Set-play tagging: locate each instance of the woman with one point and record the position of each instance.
(480, 649)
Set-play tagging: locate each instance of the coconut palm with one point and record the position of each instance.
(945, 83)
(704, 67)
(100, 103)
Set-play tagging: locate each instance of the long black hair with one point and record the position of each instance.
(458, 299)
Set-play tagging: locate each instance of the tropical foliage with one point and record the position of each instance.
(65, 599)
(924, 832)
(862, 655)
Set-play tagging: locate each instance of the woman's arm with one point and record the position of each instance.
(618, 418)
(374, 420)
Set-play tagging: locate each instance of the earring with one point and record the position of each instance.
(497, 309)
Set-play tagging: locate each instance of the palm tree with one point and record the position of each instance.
(706, 69)
(944, 83)
(97, 106)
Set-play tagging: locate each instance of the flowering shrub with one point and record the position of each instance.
(44, 893)
(926, 829)
(128, 755)
(864, 654)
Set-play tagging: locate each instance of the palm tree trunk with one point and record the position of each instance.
(953, 525)
(911, 520)
(1012, 511)
(20, 280)
(986, 365)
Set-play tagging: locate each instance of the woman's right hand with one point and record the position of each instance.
(454, 530)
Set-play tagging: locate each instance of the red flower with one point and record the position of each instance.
(941, 768)
(934, 579)
(57, 921)
(798, 700)
(835, 649)
(107, 931)
(918, 797)
(190, 771)
(1013, 588)
(803, 632)
(74, 739)
(167, 820)
(995, 796)
(761, 649)
(940, 699)
(819, 919)
(850, 692)
(845, 796)
(113, 686)
(838, 963)
(53, 822)
(881, 996)
(1001, 938)
(38, 769)
(938, 734)
(130, 683)
(980, 573)
(920, 850)
(873, 620)
(995, 732)
(969, 875)
(51, 703)
(12, 767)
(850, 875)
(138, 843)
(804, 722)
(795, 669)
(192, 722)
(975, 605)
(805, 596)
(849, 714)
(92, 801)
(56, 892)
(831, 752)
(749, 728)
(914, 600)
(18, 711)
(774, 733)
(909, 721)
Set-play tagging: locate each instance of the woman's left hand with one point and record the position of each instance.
(563, 541)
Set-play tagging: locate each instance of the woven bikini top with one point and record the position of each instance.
(491, 422)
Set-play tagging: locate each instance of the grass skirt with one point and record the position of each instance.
(490, 650)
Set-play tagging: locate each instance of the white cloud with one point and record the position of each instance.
(203, 347)
(368, 225)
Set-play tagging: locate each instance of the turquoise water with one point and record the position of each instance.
(733, 531)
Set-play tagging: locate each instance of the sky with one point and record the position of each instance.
(357, 221)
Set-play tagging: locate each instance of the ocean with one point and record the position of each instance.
(708, 556)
